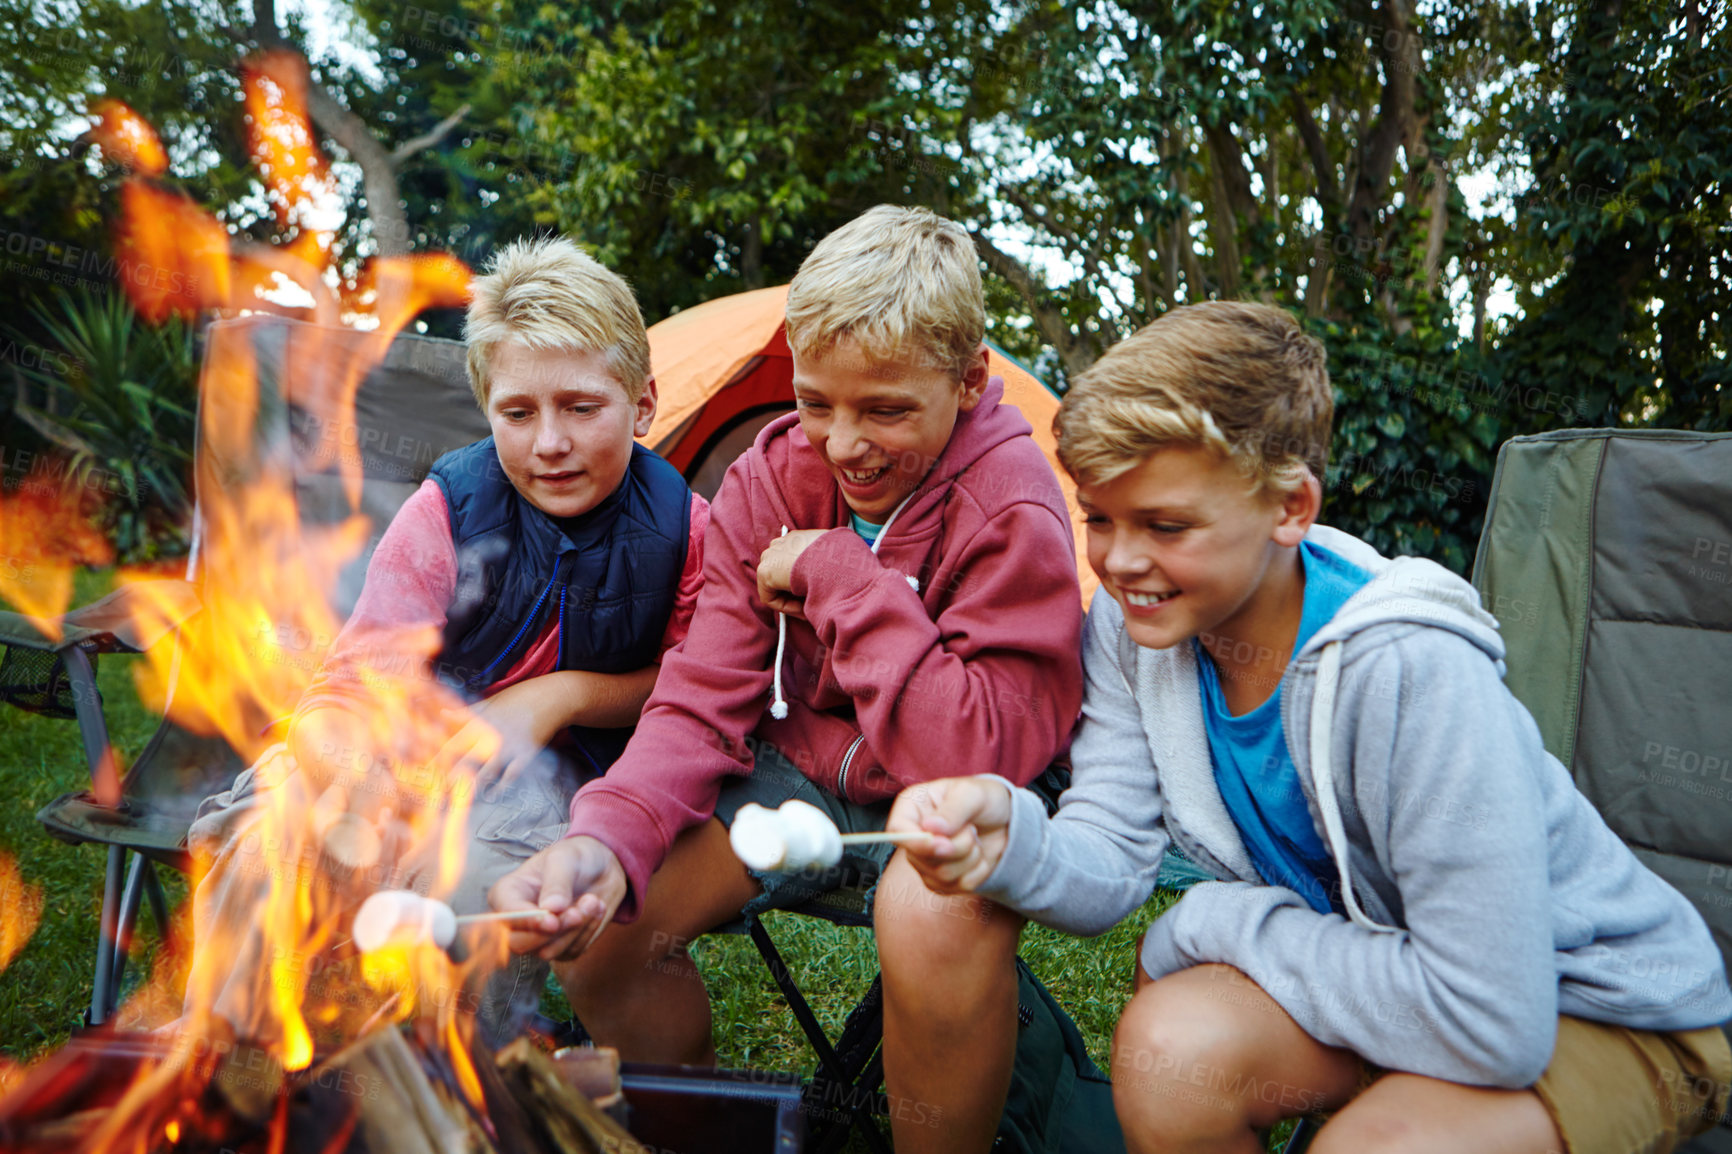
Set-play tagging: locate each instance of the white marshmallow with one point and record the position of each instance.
(405, 917)
(756, 836)
(785, 840)
(812, 837)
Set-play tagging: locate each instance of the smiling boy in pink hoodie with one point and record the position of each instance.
(890, 597)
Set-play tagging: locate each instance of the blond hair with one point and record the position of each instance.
(1242, 379)
(547, 293)
(900, 283)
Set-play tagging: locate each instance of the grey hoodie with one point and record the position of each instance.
(1485, 896)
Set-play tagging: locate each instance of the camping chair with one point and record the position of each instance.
(842, 1095)
(410, 409)
(1607, 559)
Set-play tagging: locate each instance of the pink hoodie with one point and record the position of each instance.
(977, 672)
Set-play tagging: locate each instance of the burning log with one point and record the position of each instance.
(401, 1108)
(399, 1089)
(569, 1120)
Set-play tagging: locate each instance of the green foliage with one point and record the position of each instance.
(1415, 440)
(122, 397)
(700, 150)
(1631, 192)
(1113, 161)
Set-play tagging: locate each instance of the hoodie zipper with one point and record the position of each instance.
(534, 612)
(847, 761)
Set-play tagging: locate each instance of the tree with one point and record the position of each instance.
(1627, 213)
(701, 150)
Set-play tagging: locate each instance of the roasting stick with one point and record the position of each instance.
(900, 837)
(498, 916)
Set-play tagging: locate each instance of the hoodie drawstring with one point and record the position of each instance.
(1323, 777)
(778, 702)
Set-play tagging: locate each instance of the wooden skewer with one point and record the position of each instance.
(901, 837)
(499, 916)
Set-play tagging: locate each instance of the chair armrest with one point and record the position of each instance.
(129, 620)
(140, 614)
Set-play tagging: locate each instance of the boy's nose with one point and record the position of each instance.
(551, 439)
(847, 441)
(1126, 559)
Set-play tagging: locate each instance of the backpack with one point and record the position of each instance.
(1059, 1101)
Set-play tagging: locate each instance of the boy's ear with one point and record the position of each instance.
(974, 379)
(1299, 508)
(646, 408)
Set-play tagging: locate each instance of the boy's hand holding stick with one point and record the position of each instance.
(577, 883)
(969, 820)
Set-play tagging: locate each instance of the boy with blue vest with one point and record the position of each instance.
(556, 561)
(1418, 922)
(890, 594)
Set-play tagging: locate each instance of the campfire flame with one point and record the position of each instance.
(20, 910)
(45, 533)
(127, 138)
(244, 660)
(280, 137)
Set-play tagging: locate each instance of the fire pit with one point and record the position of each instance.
(394, 1090)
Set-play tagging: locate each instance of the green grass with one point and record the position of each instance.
(46, 990)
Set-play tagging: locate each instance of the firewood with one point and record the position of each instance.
(573, 1123)
(592, 1071)
(399, 1108)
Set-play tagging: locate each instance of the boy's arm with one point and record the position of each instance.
(1445, 781)
(672, 771)
(992, 685)
(410, 580)
(1085, 869)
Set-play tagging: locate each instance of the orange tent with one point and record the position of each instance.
(723, 372)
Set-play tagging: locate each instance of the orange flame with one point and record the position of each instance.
(246, 659)
(280, 137)
(44, 533)
(127, 138)
(20, 910)
(173, 256)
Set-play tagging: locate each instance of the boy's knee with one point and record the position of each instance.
(1168, 1038)
(920, 932)
(1172, 1079)
(1369, 1132)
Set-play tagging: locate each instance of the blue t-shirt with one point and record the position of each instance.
(867, 530)
(1254, 769)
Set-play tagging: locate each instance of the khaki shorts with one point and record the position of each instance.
(1614, 1090)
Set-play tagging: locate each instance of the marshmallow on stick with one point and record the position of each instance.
(405, 917)
(795, 836)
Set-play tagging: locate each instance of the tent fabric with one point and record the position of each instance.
(1607, 559)
(727, 361)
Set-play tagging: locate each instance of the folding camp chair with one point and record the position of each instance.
(1607, 559)
(411, 408)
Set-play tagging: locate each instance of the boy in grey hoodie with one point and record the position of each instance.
(1418, 922)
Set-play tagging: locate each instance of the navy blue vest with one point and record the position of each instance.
(610, 576)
